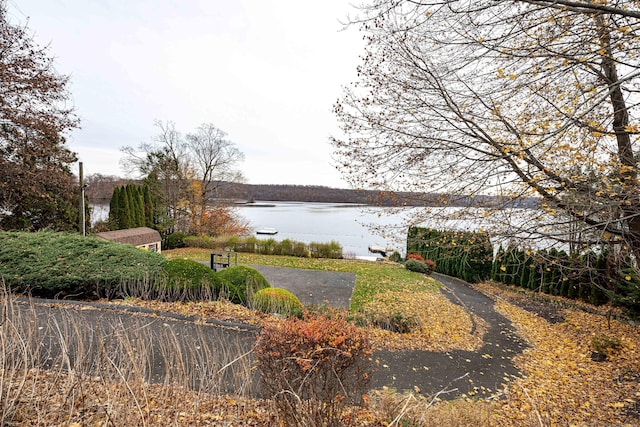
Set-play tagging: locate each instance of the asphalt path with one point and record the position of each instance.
(449, 374)
(312, 287)
(108, 340)
(446, 374)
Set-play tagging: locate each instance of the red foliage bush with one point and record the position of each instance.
(431, 264)
(417, 257)
(313, 367)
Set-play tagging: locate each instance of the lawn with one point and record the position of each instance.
(386, 298)
(372, 277)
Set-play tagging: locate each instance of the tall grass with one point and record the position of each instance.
(61, 365)
(269, 246)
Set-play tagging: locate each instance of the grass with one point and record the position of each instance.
(384, 293)
(372, 277)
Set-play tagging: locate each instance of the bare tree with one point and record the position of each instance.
(510, 99)
(185, 172)
(164, 163)
(215, 160)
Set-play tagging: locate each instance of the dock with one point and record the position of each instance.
(270, 231)
(376, 249)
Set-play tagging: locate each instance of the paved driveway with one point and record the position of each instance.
(431, 372)
(312, 287)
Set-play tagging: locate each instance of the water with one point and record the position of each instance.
(347, 224)
(354, 227)
(358, 227)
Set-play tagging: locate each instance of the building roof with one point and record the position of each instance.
(134, 236)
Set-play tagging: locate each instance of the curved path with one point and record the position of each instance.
(449, 374)
(446, 374)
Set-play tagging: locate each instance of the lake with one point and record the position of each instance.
(351, 225)
(346, 224)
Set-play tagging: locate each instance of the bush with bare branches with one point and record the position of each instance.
(313, 367)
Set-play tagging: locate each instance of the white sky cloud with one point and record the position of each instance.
(265, 72)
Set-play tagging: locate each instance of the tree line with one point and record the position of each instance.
(596, 277)
(131, 206)
(101, 188)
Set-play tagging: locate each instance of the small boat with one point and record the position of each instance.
(267, 230)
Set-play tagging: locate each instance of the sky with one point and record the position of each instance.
(266, 72)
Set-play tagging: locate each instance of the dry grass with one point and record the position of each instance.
(409, 409)
(56, 368)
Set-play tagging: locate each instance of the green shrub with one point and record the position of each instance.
(277, 300)
(325, 250)
(204, 242)
(313, 368)
(174, 241)
(395, 257)
(247, 244)
(300, 250)
(284, 247)
(191, 280)
(417, 266)
(243, 281)
(463, 254)
(266, 246)
(49, 264)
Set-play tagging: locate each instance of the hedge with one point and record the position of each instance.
(51, 264)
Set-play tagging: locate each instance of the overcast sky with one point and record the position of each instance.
(267, 72)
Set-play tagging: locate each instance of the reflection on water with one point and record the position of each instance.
(346, 224)
(354, 227)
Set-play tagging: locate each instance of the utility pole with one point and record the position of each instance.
(83, 225)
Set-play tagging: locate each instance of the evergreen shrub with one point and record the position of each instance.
(174, 241)
(462, 254)
(50, 264)
(244, 282)
(418, 266)
(277, 300)
(191, 280)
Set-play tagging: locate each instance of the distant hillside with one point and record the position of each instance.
(101, 187)
(304, 193)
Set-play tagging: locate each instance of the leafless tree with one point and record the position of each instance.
(511, 99)
(215, 160)
(186, 171)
